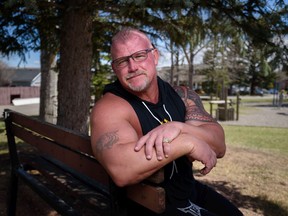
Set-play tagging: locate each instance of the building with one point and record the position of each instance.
(26, 77)
(24, 83)
(181, 75)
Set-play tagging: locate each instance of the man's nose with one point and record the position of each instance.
(132, 65)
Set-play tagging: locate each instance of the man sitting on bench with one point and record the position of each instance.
(141, 124)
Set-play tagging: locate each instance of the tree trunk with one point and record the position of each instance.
(46, 89)
(75, 67)
(172, 64)
(191, 70)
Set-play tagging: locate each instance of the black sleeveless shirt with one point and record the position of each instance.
(179, 182)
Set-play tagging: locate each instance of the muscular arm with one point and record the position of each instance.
(113, 137)
(200, 123)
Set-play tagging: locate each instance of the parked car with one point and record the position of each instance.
(258, 91)
(273, 91)
(244, 90)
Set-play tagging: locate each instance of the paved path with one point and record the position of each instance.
(32, 109)
(263, 114)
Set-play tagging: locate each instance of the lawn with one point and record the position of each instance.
(253, 174)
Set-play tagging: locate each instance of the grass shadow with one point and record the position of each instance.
(283, 114)
(256, 204)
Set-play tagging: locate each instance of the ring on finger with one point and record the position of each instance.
(166, 140)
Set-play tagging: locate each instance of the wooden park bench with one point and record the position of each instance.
(58, 164)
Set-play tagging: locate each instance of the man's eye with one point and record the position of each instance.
(139, 56)
(122, 62)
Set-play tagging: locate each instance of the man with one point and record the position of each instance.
(141, 125)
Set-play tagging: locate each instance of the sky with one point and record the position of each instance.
(33, 60)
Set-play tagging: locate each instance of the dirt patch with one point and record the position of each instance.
(254, 180)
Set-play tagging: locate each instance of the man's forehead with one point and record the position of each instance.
(131, 37)
(123, 46)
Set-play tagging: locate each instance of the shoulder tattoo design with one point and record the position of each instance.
(106, 141)
(194, 107)
(180, 91)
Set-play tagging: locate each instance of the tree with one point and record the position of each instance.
(5, 74)
(26, 26)
(77, 20)
(75, 65)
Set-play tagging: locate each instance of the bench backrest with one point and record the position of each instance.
(74, 150)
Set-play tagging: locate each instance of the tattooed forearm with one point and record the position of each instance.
(106, 141)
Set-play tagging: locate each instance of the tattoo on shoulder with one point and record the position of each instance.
(192, 95)
(179, 91)
(106, 141)
(194, 107)
(197, 113)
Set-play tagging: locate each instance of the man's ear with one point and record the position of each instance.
(113, 68)
(156, 56)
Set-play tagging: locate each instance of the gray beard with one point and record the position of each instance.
(139, 88)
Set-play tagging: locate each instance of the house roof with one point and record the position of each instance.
(24, 76)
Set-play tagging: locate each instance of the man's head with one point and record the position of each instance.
(134, 59)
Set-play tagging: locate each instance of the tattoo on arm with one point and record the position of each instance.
(106, 141)
(180, 91)
(194, 107)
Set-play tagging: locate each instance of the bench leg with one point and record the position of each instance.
(12, 195)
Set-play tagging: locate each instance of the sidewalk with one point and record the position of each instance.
(263, 114)
(31, 110)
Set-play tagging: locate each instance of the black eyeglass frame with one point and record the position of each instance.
(131, 56)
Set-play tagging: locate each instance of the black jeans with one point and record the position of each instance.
(207, 203)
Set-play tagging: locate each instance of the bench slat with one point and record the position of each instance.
(54, 132)
(87, 194)
(79, 162)
(151, 197)
(60, 205)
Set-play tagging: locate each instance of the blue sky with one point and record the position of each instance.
(32, 58)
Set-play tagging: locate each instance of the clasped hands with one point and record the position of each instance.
(160, 138)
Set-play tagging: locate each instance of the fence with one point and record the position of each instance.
(7, 94)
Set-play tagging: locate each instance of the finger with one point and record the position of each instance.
(209, 166)
(159, 148)
(149, 145)
(141, 142)
(166, 149)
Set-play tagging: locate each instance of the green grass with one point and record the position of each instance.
(253, 173)
(256, 99)
(272, 139)
(3, 139)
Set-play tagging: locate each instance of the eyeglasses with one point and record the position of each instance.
(137, 57)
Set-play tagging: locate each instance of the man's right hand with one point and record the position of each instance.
(202, 152)
(158, 138)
